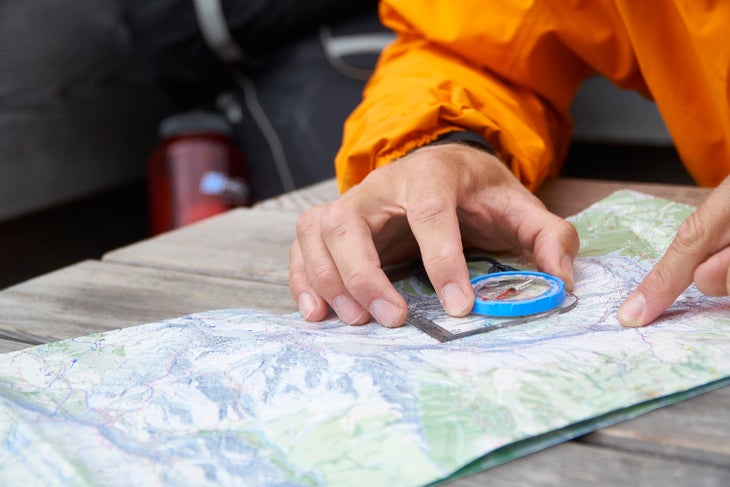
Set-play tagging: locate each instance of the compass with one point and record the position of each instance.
(517, 293)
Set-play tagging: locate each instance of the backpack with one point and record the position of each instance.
(285, 73)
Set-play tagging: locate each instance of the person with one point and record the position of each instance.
(501, 77)
(268, 66)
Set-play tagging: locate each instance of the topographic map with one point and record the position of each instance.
(240, 397)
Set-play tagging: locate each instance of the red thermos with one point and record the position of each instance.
(196, 172)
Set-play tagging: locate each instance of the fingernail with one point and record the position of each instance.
(348, 309)
(306, 304)
(629, 313)
(566, 265)
(385, 312)
(455, 301)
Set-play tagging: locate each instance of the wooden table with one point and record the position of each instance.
(240, 260)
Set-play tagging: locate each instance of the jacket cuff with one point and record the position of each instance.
(469, 138)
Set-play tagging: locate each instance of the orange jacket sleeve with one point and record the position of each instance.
(683, 52)
(461, 66)
(509, 71)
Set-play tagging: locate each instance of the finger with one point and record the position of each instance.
(704, 233)
(669, 277)
(322, 272)
(350, 243)
(554, 244)
(434, 222)
(712, 277)
(518, 220)
(311, 305)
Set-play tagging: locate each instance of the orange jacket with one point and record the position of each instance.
(509, 71)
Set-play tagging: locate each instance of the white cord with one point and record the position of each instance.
(250, 96)
(214, 28)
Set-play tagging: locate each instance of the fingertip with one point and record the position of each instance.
(456, 301)
(631, 313)
(350, 311)
(310, 308)
(388, 314)
(658, 290)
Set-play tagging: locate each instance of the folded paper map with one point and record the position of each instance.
(241, 397)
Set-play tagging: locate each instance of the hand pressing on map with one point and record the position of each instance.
(700, 252)
(428, 202)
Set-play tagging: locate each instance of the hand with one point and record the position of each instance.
(430, 200)
(699, 251)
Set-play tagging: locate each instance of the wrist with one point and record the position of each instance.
(467, 143)
(466, 137)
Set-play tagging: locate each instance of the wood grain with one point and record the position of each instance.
(695, 430)
(570, 464)
(302, 199)
(11, 345)
(92, 296)
(250, 244)
(568, 196)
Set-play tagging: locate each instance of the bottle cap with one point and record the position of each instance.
(195, 121)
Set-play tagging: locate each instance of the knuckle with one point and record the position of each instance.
(442, 260)
(566, 227)
(308, 220)
(430, 208)
(691, 234)
(443, 267)
(320, 275)
(335, 222)
(357, 282)
(571, 234)
(662, 277)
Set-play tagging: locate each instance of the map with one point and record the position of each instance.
(241, 397)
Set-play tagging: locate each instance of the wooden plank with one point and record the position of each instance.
(301, 199)
(253, 244)
(564, 196)
(250, 244)
(696, 430)
(12, 345)
(569, 464)
(94, 296)
(568, 196)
